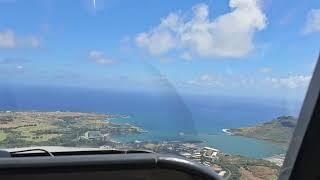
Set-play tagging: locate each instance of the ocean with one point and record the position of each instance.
(166, 116)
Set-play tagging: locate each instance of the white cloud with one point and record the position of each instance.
(99, 57)
(228, 35)
(247, 81)
(207, 80)
(265, 70)
(158, 42)
(290, 82)
(8, 39)
(313, 21)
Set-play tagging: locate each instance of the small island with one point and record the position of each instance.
(278, 130)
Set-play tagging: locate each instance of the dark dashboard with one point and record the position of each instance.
(136, 166)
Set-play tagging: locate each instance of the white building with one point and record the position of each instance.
(222, 173)
(210, 152)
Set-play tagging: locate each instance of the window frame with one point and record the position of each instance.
(302, 158)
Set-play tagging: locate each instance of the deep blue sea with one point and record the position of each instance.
(166, 116)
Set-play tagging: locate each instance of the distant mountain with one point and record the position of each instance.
(278, 130)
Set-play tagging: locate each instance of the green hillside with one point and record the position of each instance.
(278, 130)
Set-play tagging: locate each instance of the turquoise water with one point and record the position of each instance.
(242, 146)
(236, 145)
(165, 116)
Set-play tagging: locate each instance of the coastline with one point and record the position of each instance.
(278, 159)
(227, 131)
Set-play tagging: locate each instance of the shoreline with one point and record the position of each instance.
(278, 159)
(227, 131)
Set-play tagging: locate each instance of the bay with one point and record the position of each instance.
(166, 116)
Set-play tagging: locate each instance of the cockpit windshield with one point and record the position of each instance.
(217, 82)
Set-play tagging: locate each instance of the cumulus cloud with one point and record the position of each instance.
(312, 22)
(99, 57)
(228, 35)
(8, 39)
(291, 81)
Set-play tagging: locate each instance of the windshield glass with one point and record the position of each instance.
(217, 82)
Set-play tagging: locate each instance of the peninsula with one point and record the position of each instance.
(278, 130)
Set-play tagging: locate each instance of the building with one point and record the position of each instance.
(196, 156)
(222, 173)
(209, 154)
(93, 135)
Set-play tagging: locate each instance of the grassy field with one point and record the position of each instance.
(3, 136)
(19, 129)
(240, 167)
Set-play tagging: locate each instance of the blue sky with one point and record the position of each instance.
(236, 47)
